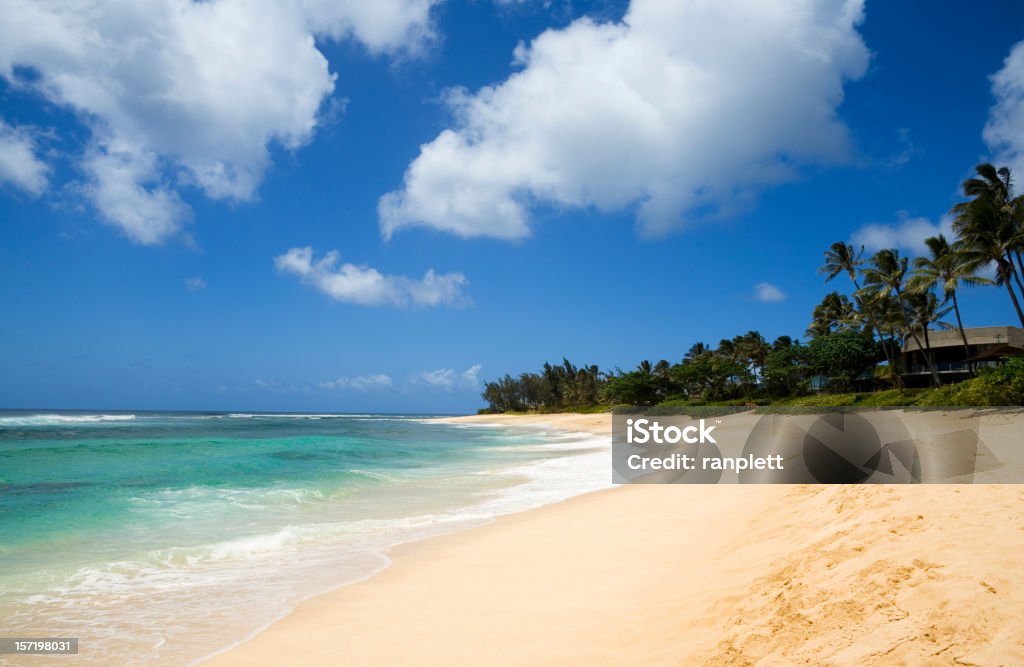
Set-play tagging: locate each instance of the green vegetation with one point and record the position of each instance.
(554, 389)
(1000, 386)
(853, 352)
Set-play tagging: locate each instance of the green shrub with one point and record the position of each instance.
(1003, 385)
(891, 398)
(820, 400)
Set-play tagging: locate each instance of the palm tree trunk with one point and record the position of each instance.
(1009, 288)
(921, 348)
(888, 353)
(1016, 275)
(1016, 304)
(963, 335)
(895, 345)
(897, 381)
(897, 359)
(928, 353)
(876, 330)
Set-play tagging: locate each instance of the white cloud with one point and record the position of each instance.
(179, 93)
(908, 234)
(683, 110)
(124, 186)
(359, 383)
(1004, 131)
(195, 283)
(449, 379)
(19, 164)
(367, 286)
(768, 293)
(381, 25)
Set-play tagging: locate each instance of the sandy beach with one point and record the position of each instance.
(719, 575)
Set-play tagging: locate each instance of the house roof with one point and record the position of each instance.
(998, 335)
(997, 353)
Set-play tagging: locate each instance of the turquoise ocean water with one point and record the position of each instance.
(159, 538)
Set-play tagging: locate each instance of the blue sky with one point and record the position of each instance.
(604, 181)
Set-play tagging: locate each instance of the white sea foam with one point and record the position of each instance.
(201, 501)
(556, 445)
(314, 415)
(446, 421)
(259, 415)
(554, 479)
(57, 420)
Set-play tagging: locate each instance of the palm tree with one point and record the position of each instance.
(947, 269)
(885, 313)
(925, 310)
(755, 349)
(842, 257)
(662, 378)
(990, 227)
(888, 315)
(727, 349)
(885, 277)
(834, 313)
(696, 351)
(996, 185)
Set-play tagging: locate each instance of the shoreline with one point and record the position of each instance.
(595, 424)
(692, 574)
(592, 424)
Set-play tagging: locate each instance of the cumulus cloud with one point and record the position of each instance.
(125, 187)
(359, 382)
(367, 286)
(19, 164)
(907, 234)
(179, 93)
(1004, 131)
(448, 379)
(768, 293)
(681, 110)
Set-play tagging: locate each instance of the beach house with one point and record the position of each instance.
(986, 346)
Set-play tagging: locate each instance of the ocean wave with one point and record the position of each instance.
(369, 534)
(551, 480)
(543, 482)
(57, 420)
(201, 501)
(375, 474)
(241, 548)
(549, 447)
(294, 415)
(261, 415)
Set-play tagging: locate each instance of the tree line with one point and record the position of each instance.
(559, 387)
(894, 299)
